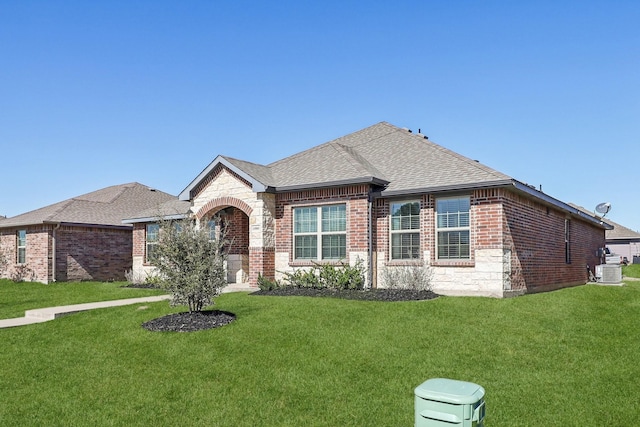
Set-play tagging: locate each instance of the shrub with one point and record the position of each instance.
(331, 276)
(190, 265)
(267, 284)
(413, 277)
(134, 277)
(4, 262)
(22, 272)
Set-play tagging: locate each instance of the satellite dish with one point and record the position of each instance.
(603, 208)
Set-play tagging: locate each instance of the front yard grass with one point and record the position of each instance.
(16, 298)
(564, 358)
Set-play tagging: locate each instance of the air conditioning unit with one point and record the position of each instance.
(609, 273)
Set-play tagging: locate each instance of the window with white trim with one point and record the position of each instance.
(21, 246)
(320, 232)
(151, 239)
(452, 228)
(405, 230)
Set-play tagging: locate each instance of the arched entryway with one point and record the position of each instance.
(232, 216)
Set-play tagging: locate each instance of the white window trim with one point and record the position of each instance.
(318, 233)
(438, 230)
(19, 246)
(147, 242)
(409, 231)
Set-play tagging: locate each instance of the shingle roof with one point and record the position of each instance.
(620, 232)
(172, 209)
(106, 207)
(393, 158)
(406, 161)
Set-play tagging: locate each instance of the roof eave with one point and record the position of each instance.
(444, 188)
(155, 219)
(85, 224)
(524, 188)
(256, 186)
(369, 180)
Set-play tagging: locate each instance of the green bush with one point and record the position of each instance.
(329, 276)
(267, 284)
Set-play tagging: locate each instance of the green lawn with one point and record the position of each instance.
(15, 298)
(564, 358)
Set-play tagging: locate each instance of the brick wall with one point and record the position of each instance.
(262, 262)
(86, 253)
(356, 199)
(139, 239)
(238, 232)
(535, 234)
(38, 252)
(501, 222)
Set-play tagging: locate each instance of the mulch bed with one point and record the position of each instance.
(363, 295)
(199, 321)
(190, 322)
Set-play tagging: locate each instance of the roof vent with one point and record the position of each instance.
(152, 189)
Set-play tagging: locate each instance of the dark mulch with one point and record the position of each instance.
(140, 286)
(364, 295)
(190, 322)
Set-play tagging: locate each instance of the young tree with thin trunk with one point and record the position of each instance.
(190, 262)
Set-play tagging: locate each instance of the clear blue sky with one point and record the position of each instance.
(100, 93)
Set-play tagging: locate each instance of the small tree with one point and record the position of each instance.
(190, 263)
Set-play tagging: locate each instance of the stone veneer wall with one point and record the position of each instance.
(223, 188)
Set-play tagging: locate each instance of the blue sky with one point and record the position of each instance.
(100, 93)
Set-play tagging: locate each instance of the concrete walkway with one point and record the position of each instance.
(40, 315)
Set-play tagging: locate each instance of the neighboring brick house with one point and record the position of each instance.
(393, 199)
(82, 238)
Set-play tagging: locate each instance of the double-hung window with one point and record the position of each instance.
(452, 227)
(21, 246)
(320, 232)
(151, 239)
(405, 230)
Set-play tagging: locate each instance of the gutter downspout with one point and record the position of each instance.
(53, 255)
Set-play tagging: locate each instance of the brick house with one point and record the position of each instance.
(394, 200)
(82, 238)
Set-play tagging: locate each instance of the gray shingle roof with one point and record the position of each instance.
(620, 232)
(106, 207)
(172, 209)
(406, 161)
(393, 158)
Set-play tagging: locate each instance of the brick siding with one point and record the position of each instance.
(82, 253)
(356, 199)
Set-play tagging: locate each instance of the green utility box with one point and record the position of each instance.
(444, 402)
